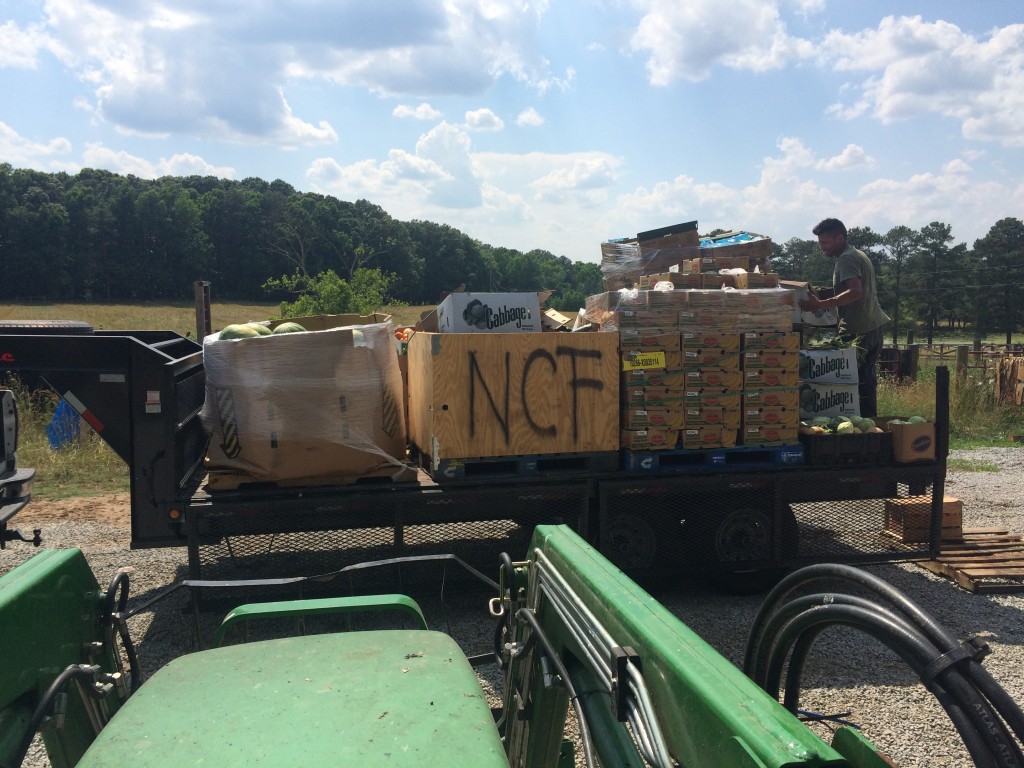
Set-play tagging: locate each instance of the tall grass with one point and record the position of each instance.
(86, 466)
(975, 418)
(180, 318)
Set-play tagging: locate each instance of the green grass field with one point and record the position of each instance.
(171, 317)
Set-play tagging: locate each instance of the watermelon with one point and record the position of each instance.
(238, 331)
(260, 328)
(289, 328)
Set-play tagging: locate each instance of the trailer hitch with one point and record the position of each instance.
(16, 535)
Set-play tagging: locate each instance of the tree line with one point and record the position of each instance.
(100, 236)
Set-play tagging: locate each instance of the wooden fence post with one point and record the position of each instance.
(201, 289)
(961, 360)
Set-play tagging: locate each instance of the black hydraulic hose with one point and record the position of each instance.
(943, 639)
(525, 614)
(80, 671)
(116, 606)
(755, 667)
(984, 736)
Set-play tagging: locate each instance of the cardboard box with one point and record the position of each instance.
(910, 442)
(828, 400)
(304, 406)
(771, 340)
(653, 397)
(678, 279)
(640, 318)
(663, 418)
(705, 321)
(651, 340)
(699, 438)
(642, 377)
(762, 280)
(766, 378)
(769, 434)
(553, 320)
(829, 366)
(788, 359)
(673, 299)
(714, 377)
(771, 414)
(711, 357)
(727, 342)
(821, 318)
(711, 416)
(712, 396)
(759, 398)
(489, 313)
(513, 394)
(910, 518)
(652, 439)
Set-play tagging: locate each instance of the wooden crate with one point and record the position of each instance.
(910, 518)
(513, 394)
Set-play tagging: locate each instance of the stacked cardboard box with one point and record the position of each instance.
(828, 383)
(683, 378)
(771, 414)
(627, 262)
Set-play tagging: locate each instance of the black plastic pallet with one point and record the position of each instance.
(713, 459)
(522, 466)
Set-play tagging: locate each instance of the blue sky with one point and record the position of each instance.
(536, 124)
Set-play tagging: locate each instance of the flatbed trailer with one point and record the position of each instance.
(142, 392)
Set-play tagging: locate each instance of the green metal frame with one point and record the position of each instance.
(710, 714)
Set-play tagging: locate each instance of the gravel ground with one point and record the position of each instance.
(846, 672)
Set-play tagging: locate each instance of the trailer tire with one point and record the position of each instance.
(44, 328)
(641, 545)
(733, 550)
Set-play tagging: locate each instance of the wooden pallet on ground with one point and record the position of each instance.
(984, 560)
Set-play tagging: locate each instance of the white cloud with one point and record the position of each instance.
(685, 41)
(530, 118)
(483, 120)
(20, 151)
(917, 68)
(19, 46)
(852, 157)
(182, 164)
(422, 111)
(584, 174)
(208, 70)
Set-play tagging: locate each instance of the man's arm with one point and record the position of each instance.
(852, 291)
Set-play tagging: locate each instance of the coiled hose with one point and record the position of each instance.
(990, 723)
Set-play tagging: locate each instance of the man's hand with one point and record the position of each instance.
(811, 304)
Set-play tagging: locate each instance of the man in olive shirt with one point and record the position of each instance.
(854, 294)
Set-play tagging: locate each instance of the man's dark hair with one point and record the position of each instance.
(830, 227)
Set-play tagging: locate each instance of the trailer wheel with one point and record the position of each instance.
(735, 551)
(639, 545)
(44, 328)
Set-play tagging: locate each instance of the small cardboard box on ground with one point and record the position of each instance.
(910, 518)
(513, 394)
(910, 442)
(489, 313)
(306, 406)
